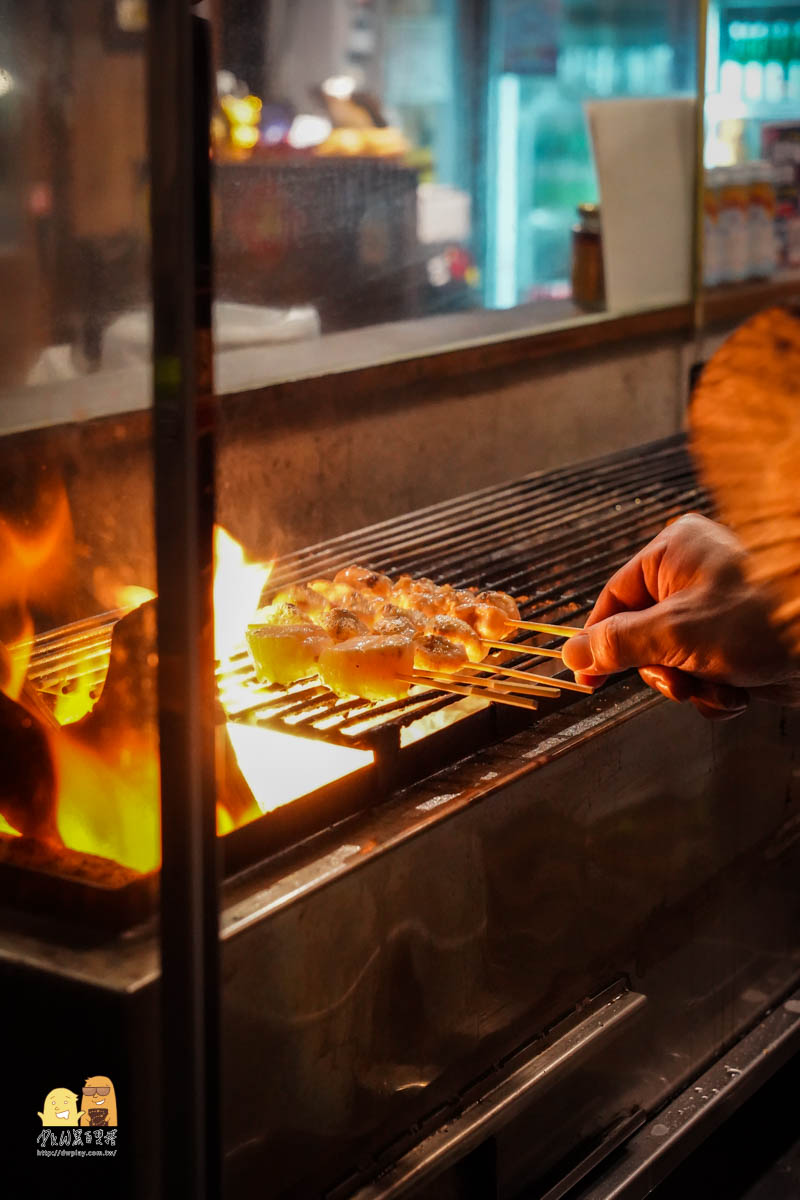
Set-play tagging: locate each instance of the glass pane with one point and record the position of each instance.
(76, 537)
(79, 782)
(547, 62)
(411, 164)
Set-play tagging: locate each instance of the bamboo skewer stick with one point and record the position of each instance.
(522, 648)
(566, 631)
(500, 685)
(530, 687)
(482, 693)
(567, 685)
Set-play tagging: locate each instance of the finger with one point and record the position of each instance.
(633, 586)
(721, 698)
(717, 714)
(674, 684)
(627, 639)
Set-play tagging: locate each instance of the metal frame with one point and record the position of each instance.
(178, 105)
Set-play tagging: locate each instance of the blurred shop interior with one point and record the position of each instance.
(445, 169)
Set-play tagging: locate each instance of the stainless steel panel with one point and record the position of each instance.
(493, 1109)
(375, 978)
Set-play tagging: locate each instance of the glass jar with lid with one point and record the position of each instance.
(588, 280)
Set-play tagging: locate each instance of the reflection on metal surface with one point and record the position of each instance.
(679, 1128)
(498, 1106)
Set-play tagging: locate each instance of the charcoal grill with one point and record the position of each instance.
(552, 915)
(551, 539)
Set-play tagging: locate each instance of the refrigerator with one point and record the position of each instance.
(546, 59)
(752, 76)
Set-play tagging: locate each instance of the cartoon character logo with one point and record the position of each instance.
(61, 1108)
(99, 1102)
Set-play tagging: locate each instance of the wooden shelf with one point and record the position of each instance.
(732, 303)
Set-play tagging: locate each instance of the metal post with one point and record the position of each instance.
(699, 180)
(178, 99)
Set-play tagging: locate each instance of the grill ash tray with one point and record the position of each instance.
(77, 887)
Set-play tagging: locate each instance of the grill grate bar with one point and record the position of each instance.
(551, 539)
(379, 546)
(555, 550)
(454, 513)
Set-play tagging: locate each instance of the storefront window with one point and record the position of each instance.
(392, 177)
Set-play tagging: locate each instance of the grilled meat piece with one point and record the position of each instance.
(286, 653)
(368, 667)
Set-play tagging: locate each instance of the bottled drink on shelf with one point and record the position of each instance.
(731, 76)
(777, 62)
(734, 243)
(761, 221)
(793, 70)
(755, 54)
(711, 230)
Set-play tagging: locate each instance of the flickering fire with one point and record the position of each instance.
(278, 767)
(130, 596)
(19, 655)
(102, 742)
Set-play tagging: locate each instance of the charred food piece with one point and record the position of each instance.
(487, 620)
(364, 580)
(395, 620)
(432, 652)
(500, 600)
(340, 595)
(341, 624)
(302, 596)
(461, 633)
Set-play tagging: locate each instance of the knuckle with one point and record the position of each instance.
(608, 646)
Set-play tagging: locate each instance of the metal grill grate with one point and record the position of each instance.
(550, 539)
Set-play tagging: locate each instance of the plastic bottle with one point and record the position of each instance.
(734, 183)
(777, 62)
(793, 72)
(731, 75)
(712, 265)
(761, 221)
(755, 54)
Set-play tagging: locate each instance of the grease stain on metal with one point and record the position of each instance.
(435, 801)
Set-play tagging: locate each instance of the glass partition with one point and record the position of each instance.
(392, 177)
(425, 165)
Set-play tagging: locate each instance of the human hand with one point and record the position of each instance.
(683, 612)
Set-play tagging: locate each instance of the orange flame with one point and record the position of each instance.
(238, 585)
(108, 804)
(280, 767)
(35, 552)
(130, 596)
(19, 656)
(108, 777)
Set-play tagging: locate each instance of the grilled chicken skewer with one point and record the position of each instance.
(370, 637)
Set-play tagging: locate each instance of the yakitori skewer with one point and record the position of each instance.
(445, 684)
(566, 631)
(523, 647)
(496, 686)
(533, 687)
(500, 673)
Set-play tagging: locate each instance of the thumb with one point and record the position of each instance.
(627, 639)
